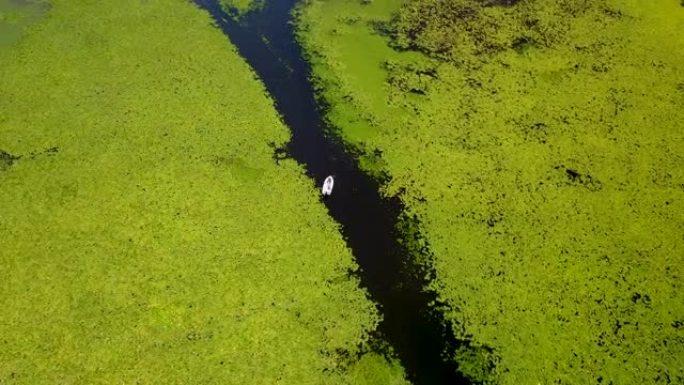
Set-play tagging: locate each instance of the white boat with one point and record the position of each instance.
(328, 185)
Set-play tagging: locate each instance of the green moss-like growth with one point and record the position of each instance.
(455, 30)
(147, 234)
(538, 144)
(7, 160)
(241, 7)
(477, 364)
(16, 16)
(373, 369)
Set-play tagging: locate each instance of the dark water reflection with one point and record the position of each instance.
(416, 333)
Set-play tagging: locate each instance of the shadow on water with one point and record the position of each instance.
(417, 334)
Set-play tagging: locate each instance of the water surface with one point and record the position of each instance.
(416, 333)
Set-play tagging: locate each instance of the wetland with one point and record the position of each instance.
(507, 206)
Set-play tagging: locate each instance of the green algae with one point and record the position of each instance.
(373, 369)
(538, 146)
(16, 16)
(478, 364)
(148, 236)
(241, 7)
(7, 160)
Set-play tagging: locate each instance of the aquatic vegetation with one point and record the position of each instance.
(148, 235)
(240, 7)
(16, 16)
(7, 160)
(538, 146)
(456, 30)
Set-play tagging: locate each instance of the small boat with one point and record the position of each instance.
(328, 185)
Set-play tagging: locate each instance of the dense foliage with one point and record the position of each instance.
(457, 29)
(16, 16)
(539, 143)
(240, 7)
(147, 234)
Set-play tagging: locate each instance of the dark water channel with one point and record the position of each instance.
(418, 335)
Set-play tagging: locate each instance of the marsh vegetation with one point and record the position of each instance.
(156, 228)
(147, 234)
(538, 146)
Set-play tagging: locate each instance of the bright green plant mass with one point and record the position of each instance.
(147, 234)
(240, 7)
(540, 145)
(15, 16)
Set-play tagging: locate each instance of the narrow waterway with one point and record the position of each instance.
(418, 335)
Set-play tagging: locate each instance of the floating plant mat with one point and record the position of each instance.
(146, 232)
(540, 145)
(16, 16)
